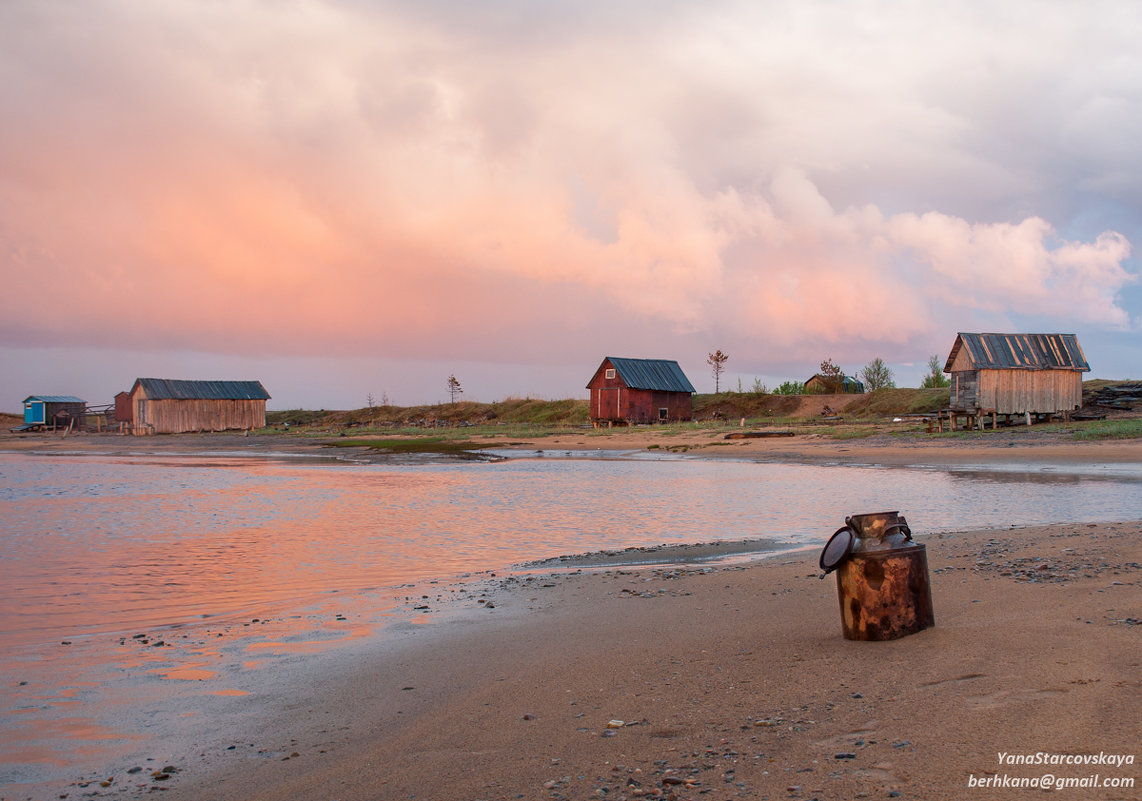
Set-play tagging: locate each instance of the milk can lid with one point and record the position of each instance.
(837, 549)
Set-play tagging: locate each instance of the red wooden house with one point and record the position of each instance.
(640, 391)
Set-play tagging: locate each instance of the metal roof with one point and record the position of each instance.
(663, 375)
(55, 399)
(1020, 352)
(175, 389)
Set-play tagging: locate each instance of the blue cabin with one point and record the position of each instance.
(53, 410)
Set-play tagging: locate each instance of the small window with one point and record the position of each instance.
(610, 373)
(662, 412)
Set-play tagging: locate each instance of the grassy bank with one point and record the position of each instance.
(896, 412)
(524, 413)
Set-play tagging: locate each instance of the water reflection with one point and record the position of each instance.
(111, 544)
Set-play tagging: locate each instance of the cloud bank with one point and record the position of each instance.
(507, 181)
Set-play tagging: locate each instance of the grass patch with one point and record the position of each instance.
(1110, 429)
(437, 445)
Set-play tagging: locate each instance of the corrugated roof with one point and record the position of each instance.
(1020, 352)
(54, 399)
(175, 389)
(662, 375)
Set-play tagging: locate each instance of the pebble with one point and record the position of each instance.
(845, 755)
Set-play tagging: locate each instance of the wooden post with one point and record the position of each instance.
(1028, 416)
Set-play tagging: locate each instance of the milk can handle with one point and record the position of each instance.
(904, 526)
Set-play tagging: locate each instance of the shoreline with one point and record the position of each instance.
(890, 450)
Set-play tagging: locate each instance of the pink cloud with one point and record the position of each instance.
(330, 177)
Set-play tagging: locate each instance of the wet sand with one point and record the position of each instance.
(723, 682)
(712, 681)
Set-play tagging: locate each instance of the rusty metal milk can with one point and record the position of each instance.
(882, 577)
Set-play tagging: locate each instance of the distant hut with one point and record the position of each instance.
(124, 413)
(53, 411)
(167, 406)
(819, 385)
(1007, 374)
(640, 391)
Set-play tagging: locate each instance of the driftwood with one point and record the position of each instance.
(757, 434)
(1122, 397)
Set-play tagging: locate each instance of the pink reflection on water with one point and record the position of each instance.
(192, 672)
(175, 542)
(58, 741)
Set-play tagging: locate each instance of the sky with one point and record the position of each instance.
(344, 198)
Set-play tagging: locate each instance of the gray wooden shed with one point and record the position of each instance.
(1016, 374)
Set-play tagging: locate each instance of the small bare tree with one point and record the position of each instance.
(454, 389)
(717, 362)
(369, 399)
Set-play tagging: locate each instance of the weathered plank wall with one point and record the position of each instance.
(965, 390)
(1019, 391)
(621, 404)
(168, 416)
(645, 405)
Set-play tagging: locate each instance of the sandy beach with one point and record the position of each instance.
(716, 681)
(731, 682)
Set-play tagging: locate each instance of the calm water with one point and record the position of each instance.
(94, 549)
(110, 543)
